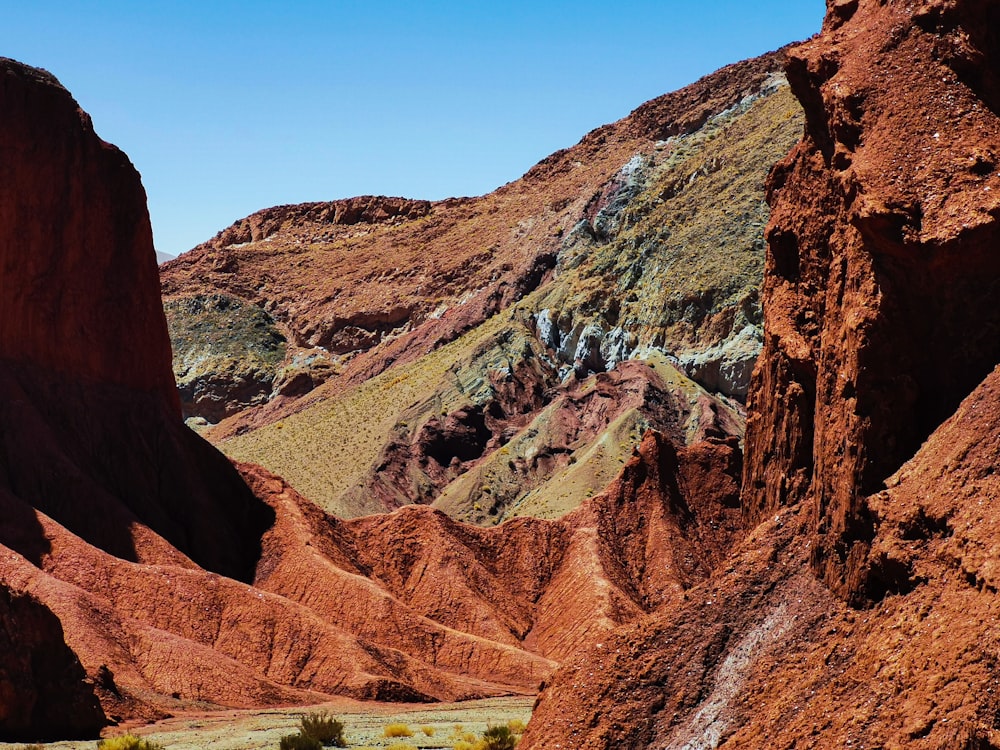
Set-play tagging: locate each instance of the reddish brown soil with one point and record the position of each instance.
(364, 275)
(862, 610)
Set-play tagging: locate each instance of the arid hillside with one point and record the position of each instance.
(470, 354)
(144, 574)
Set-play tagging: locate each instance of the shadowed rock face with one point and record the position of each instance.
(90, 430)
(43, 695)
(84, 351)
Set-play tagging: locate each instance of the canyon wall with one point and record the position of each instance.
(881, 279)
(860, 610)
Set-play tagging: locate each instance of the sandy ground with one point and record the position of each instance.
(364, 725)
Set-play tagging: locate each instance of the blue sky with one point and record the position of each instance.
(229, 107)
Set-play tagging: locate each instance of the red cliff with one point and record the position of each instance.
(77, 249)
(91, 436)
(880, 291)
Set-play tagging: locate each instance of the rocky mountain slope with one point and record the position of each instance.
(497, 389)
(143, 574)
(861, 610)
(391, 278)
(835, 588)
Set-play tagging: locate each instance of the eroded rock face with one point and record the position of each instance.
(90, 430)
(859, 611)
(882, 266)
(657, 238)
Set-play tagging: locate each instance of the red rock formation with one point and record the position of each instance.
(417, 463)
(74, 222)
(882, 269)
(764, 655)
(90, 431)
(879, 321)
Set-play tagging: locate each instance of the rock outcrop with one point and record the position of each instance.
(882, 269)
(227, 355)
(44, 693)
(90, 430)
(860, 610)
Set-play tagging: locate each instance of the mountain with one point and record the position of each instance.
(825, 579)
(143, 573)
(469, 354)
(860, 610)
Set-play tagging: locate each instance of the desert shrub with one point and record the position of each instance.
(465, 745)
(299, 742)
(402, 746)
(325, 728)
(128, 742)
(516, 726)
(499, 738)
(427, 730)
(397, 730)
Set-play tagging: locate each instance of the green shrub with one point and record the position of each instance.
(299, 742)
(128, 742)
(324, 728)
(499, 738)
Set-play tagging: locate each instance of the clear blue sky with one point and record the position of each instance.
(228, 107)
